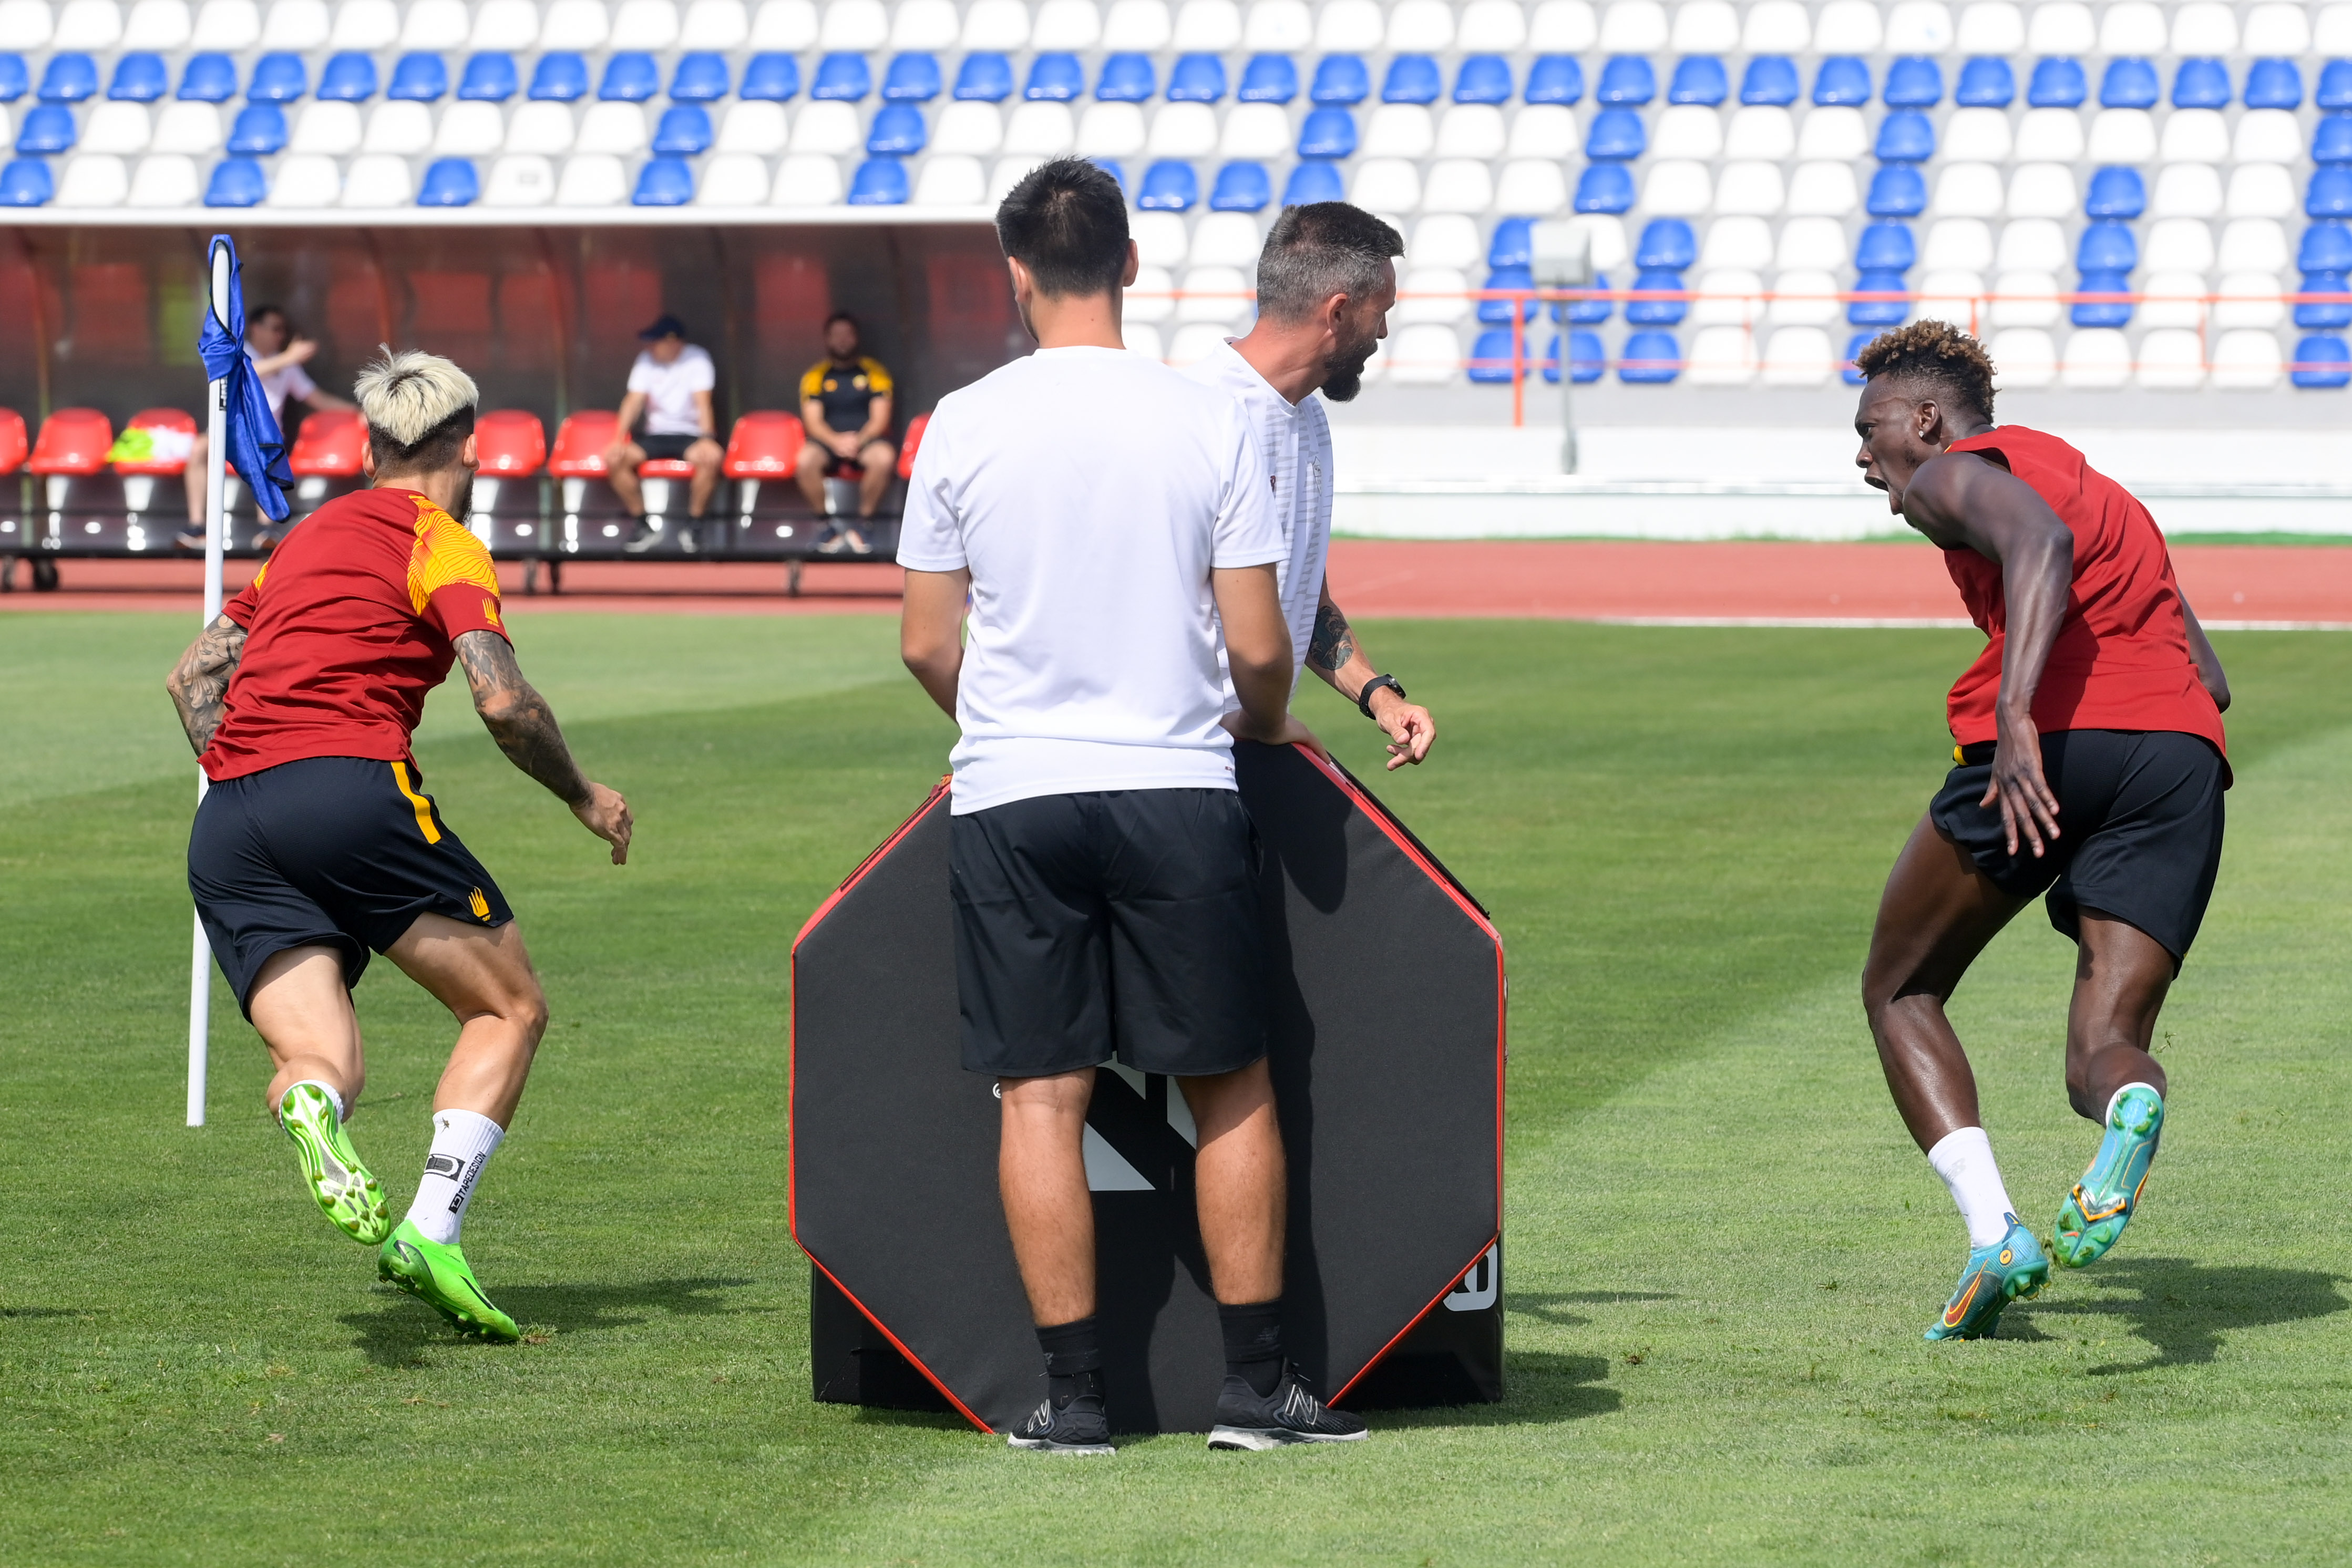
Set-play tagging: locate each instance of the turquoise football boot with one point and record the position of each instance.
(2010, 1270)
(2093, 1216)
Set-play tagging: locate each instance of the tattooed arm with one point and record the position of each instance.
(520, 720)
(1333, 654)
(199, 681)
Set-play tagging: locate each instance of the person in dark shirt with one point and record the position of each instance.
(847, 405)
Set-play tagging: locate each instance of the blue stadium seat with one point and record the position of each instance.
(1412, 78)
(1699, 78)
(842, 77)
(2321, 362)
(1170, 186)
(913, 77)
(1052, 79)
(259, 129)
(2200, 84)
(422, 77)
(1616, 133)
(1497, 312)
(207, 78)
(701, 77)
(1843, 80)
(488, 78)
(48, 128)
(2115, 193)
(2129, 84)
(1665, 243)
(1328, 133)
(1197, 79)
(1241, 188)
(1656, 312)
(2334, 312)
(1877, 313)
(2326, 247)
(2057, 83)
(236, 183)
(2331, 141)
(2335, 85)
(1127, 78)
(1312, 179)
(1626, 79)
(1555, 79)
(1340, 80)
(684, 129)
(1651, 359)
(351, 78)
(776, 77)
(1854, 348)
(71, 78)
(25, 182)
(1112, 167)
(1906, 136)
(1586, 312)
(878, 182)
(1490, 356)
(985, 76)
(1913, 82)
(2274, 84)
(16, 81)
(2330, 195)
(2103, 312)
(1269, 79)
(664, 183)
(449, 182)
(1482, 79)
(1604, 188)
(1885, 247)
(141, 78)
(2106, 247)
(1986, 82)
(1512, 244)
(1896, 191)
(1587, 358)
(1770, 79)
(897, 132)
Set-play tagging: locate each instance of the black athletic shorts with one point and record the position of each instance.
(672, 447)
(339, 852)
(2139, 818)
(1122, 921)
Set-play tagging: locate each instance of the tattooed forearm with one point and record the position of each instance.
(517, 718)
(1334, 642)
(199, 683)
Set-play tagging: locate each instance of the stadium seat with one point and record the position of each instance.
(169, 421)
(1761, 130)
(1170, 186)
(1067, 24)
(1126, 79)
(116, 127)
(2049, 135)
(1841, 80)
(1604, 188)
(771, 79)
(2200, 84)
(448, 182)
(71, 78)
(377, 180)
(1835, 134)
(1666, 243)
(421, 78)
(2194, 136)
(502, 25)
(2330, 193)
(1312, 179)
(2249, 300)
(1660, 311)
(1490, 357)
(2322, 362)
(1183, 131)
(1698, 79)
(1499, 311)
(2041, 191)
(2115, 193)
(1896, 191)
(2129, 84)
(1328, 133)
(2331, 141)
(1626, 79)
(401, 128)
(913, 77)
(48, 128)
(2100, 312)
(993, 25)
(570, 25)
(1412, 78)
(469, 129)
(1472, 131)
(1913, 82)
(632, 77)
(2326, 247)
(1587, 312)
(1554, 80)
(879, 183)
(965, 127)
(73, 443)
(1885, 246)
(2274, 84)
(1241, 188)
(1688, 131)
(912, 444)
(1616, 135)
(1340, 80)
(140, 79)
(1197, 79)
(2057, 83)
(2106, 247)
(1482, 78)
(1055, 79)
(14, 80)
(684, 129)
(2335, 85)
(579, 444)
(663, 182)
(329, 442)
(1877, 313)
(1268, 78)
(1386, 184)
(2121, 136)
(2251, 245)
(1968, 191)
(1424, 353)
(2333, 310)
(1650, 358)
(517, 180)
(2247, 361)
(805, 179)
(1770, 79)
(350, 79)
(1986, 82)
(701, 77)
(2266, 136)
(260, 129)
(766, 445)
(488, 78)
(897, 132)
(1906, 136)
(94, 180)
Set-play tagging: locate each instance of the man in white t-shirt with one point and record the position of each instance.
(1107, 522)
(279, 354)
(1326, 282)
(669, 388)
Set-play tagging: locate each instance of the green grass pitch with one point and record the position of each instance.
(1722, 1247)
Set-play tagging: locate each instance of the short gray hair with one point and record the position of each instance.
(1316, 251)
(405, 397)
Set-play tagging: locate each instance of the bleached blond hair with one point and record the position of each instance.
(407, 398)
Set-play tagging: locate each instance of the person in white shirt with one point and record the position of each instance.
(279, 354)
(669, 388)
(1326, 282)
(1108, 524)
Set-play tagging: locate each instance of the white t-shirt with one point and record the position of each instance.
(1090, 491)
(669, 390)
(1295, 440)
(278, 385)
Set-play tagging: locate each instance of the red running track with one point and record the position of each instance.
(1552, 580)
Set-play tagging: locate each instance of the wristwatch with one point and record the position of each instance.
(1364, 697)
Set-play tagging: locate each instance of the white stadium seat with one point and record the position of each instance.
(1848, 27)
(1492, 27)
(593, 180)
(1422, 26)
(1472, 131)
(1991, 28)
(1919, 27)
(618, 129)
(1447, 239)
(2132, 27)
(1252, 130)
(2204, 28)
(1687, 130)
(404, 127)
(1822, 190)
(1750, 189)
(2186, 190)
(2247, 361)
(2023, 358)
(305, 180)
(2049, 135)
(231, 25)
(2177, 245)
(1007, 173)
(1532, 187)
(1733, 295)
(116, 127)
(567, 25)
(735, 179)
(1676, 187)
(2042, 191)
(1632, 28)
(435, 25)
(1798, 357)
(2171, 300)
(296, 24)
(1385, 185)
(1110, 131)
(1741, 243)
(1226, 239)
(1160, 237)
(1348, 24)
(158, 25)
(2268, 136)
(1208, 27)
(1458, 185)
(791, 25)
(917, 25)
(1137, 25)
(373, 25)
(1281, 27)
(544, 128)
(1968, 191)
(851, 24)
(1804, 296)
(1812, 243)
(2171, 359)
(1951, 295)
(1194, 343)
(967, 127)
(93, 180)
(1704, 28)
(1604, 239)
(1544, 130)
(1140, 304)
(1720, 357)
(1423, 354)
(326, 129)
(194, 128)
(2260, 191)
(1761, 130)
(808, 179)
(1777, 27)
(527, 180)
(1837, 134)
(2060, 28)
(1976, 135)
(653, 25)
(829, 129)
(27, 24)
(2274, 29)
(2332, 35)
(2121, 136)
(1568, 27)
(754, 127)
(1215, 294)
(92, 24)
(1178, 131)
(2097, 357)
(2034, 244)
(1035, 129)
(2194, 136)
(1067, 24)
(2024, 299)
(1961, 243)
(1398, 131)
(2248, 299)
(1143, 339)
(469, 127)
(506, 25)
(377, 180)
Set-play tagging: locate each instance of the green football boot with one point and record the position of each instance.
(2093, 1216)
(347, 1192)
(438, 1275)
(2010, 1270)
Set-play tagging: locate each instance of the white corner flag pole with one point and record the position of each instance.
(200, 972)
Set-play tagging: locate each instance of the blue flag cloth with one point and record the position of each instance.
(257, 448)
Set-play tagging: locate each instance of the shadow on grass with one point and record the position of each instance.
(2184, 1308)
(1552, 1306)
(397, 1328)
(1540, 1388)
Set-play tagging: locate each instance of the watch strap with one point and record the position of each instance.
(1364, 697)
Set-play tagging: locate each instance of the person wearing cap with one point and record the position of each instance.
(669, 388)
(278, 352)
(847, 405)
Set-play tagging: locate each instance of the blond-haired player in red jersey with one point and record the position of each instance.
(2089, 765)
(317, 843)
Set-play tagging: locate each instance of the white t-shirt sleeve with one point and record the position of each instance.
(1248, 529)
(931, 533)
(696, 372)
(298, 386)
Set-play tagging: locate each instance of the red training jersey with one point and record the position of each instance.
(349, 625)
(2121, 659)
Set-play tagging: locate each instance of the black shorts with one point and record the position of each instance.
(671, 447)
(338, 852)
(2139, 818)
(1113, 922)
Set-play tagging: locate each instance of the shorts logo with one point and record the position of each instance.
(480, 906)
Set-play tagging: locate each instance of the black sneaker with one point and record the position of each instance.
(1079, 1428)
(645, 537)
(1291, 1414)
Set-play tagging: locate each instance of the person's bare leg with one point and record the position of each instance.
(484, 978)
(1240, 1181)
(621, 473)
(2121, 975)
(194, 477)
(1041, 1169)
(705, 455)
(877, 460)
(304, 1016)
(809, 472)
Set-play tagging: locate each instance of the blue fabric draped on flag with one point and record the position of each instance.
(255, 446)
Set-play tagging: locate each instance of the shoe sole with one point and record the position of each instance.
(346, 1191)
(458, 1318)
(1258, 1439)
(1047, 1445)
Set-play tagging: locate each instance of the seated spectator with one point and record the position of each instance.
(669, 388)
(845, 404)
(278, 353)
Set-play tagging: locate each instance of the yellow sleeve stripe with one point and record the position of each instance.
(813, 380)
(876, 378)
(445, 554)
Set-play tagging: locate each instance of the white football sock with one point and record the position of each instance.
(463, 1143)
(323, 1087)
(1964, 1159)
